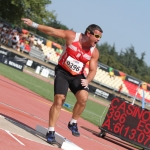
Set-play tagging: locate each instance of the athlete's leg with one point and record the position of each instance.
(81, 97)
(81, 94)
(60, 91)
(55, 109)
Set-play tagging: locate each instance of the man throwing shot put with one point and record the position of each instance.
(79, 49)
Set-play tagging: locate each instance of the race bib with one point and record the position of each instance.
(73, 65)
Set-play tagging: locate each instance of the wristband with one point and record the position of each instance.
(34, 25)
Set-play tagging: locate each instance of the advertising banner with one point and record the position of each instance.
(103, 67)
(14, 64)
(132, 80)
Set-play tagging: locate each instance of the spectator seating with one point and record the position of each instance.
(103, 77)
(146, 94)
(36, 53)
(53, 56)
(131, 87)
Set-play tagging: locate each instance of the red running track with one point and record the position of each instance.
(30, 109)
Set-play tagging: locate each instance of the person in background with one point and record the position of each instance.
(31, 40)
(15, 41)
(1, 24)
(22, 44)
(10, 38)
(120, 89)
(79, 49)
(48, 57)
(39, 43)
(111, 73)
(7, 37)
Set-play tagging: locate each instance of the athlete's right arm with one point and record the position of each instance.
(68, 35)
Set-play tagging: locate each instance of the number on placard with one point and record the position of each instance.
(73, 67)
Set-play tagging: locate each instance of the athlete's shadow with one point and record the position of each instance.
(112, 140)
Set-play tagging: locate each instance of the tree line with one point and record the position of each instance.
(125, 61)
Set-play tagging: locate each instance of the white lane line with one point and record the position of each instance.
(2, 116)
(14, 137)
(23, 111)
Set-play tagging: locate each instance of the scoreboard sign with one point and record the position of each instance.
(128, 122)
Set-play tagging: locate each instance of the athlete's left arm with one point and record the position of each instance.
(92, 68)
(93, 65)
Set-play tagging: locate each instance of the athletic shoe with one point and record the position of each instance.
(50, 136)
(73, 127)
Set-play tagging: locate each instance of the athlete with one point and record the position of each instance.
(79, 49)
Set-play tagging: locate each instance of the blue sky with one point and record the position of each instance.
(124, 22)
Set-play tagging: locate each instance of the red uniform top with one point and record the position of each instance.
(74, 58)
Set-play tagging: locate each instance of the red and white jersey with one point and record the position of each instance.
(74, 58)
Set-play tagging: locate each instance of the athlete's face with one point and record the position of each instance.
(94, 37)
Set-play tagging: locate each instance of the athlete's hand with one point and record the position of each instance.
(27, 21)
(84, 82)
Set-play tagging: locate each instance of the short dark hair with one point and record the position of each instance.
(93, 27)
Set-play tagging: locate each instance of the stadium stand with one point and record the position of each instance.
(103, 78)
(36, 53)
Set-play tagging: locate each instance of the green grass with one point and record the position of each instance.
(92, 112)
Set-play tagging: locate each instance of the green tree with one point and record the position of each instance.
(14, 10)
(128, 58)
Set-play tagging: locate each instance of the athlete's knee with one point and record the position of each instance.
(59, 100)
(60, 96)
(82, 97)
(82, 101)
